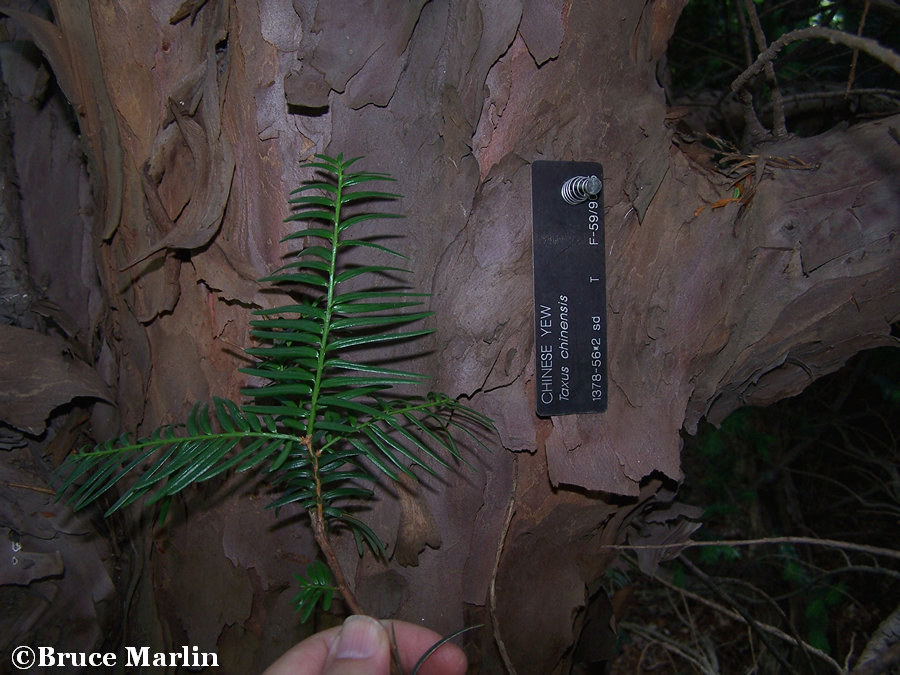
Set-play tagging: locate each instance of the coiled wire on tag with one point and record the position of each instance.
(580, 188)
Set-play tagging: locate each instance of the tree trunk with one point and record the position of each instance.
(194, 122)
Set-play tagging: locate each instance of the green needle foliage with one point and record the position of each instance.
(317, 587)
(322, 418)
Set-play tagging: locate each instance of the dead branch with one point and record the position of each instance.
(33, 488)
(779, 128)
(812, 541)
(755, 131)
(771, 630)
(822, 95)
(507, 519)
(867, 45)
(859, 30)
(772, 604)
(669, 644)
(745, 615)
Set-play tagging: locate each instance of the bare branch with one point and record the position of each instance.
(813, 541)
(859, 30)
(755, 131)
(771, 630)
(779, 128)
(510, 512)
(754, 625)
(867, 45)
(670, 644)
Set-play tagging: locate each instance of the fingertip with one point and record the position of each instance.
(361, 647)
(448, 659)
(360, 638)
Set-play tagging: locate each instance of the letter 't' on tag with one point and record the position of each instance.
(569, 287)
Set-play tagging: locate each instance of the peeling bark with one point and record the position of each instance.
(709, 308)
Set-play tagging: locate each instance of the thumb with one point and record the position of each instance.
(361, 648)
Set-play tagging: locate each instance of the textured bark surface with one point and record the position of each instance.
(193, 128)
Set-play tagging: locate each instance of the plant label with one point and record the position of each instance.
(569, 287)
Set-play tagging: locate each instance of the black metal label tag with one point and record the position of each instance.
(569, 287)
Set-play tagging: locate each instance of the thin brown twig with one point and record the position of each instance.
(510, 511)
(855, 57)
(325, 546)
(33, 488)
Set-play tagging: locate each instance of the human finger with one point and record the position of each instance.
(307, 657)
(414, 640)
(360, 648)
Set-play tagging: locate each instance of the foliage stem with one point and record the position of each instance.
(324, 543)
(318, 517)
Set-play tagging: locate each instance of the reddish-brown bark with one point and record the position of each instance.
(194, 129)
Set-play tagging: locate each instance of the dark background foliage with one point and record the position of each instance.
(823, 464)
(820, 84)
